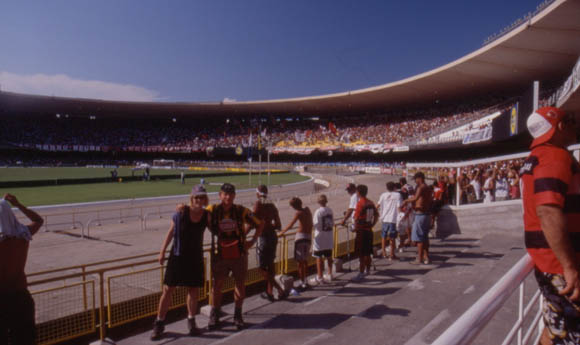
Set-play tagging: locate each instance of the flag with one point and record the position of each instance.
(259, 140)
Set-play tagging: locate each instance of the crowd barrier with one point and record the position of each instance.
(81, 300)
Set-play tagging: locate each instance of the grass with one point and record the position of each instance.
(29, 174)
(51, 195)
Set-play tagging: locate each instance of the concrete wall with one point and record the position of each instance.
(481, 219)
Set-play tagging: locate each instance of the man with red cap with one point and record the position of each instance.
(551, 198)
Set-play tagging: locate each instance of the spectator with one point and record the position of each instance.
(185, 266)
(267, 242)
(303, 239)
(422, 203)
(17, 319)
(323, 222)
(389, 204)
(365, 218)
(551, 176)
(229, 254)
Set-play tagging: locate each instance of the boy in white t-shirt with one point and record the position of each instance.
(389, 204)
(323, 221)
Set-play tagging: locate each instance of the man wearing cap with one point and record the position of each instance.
(229, 251)
(17, 325)
(267, 212)
(185, 266)
(351, 190)
(421, 201)
(551, 199)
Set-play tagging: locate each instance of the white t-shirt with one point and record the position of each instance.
(352, 204)
(323, 221)
(501, 188)
(389, 204)
(476, 188)
(488, 193)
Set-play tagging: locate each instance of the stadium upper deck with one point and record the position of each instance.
(545, 47)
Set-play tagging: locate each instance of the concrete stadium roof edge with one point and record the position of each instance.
(544, 48)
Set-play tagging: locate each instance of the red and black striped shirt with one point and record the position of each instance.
(550, 176)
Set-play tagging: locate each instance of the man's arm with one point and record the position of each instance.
(416, 196)
(553, 223)
(36, 219)
(347, 215)
(294, 220)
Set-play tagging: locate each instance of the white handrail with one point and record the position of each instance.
(467, 327)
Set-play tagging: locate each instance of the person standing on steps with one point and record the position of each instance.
(229, 251)
(422, 202)
(365, 218)
(267, 212)
(185, 266)
(323, 221)
(303, 239)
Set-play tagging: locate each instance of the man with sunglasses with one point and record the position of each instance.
(551, 199)
(229, 251)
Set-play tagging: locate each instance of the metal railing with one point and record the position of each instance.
(78, 300)
(465, 330)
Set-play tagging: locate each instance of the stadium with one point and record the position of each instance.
(107, 176)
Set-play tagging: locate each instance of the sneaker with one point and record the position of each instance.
(401, 250)
(238, 320)
(267, 296)
(319, 280)
(328, 278)
(214, 320)
(192, 327)
(393, 258)
(359, 277)
(158, 328)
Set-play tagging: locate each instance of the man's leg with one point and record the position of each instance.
(384, 245)
(21, 323)
(319, 267)
(329, 259)
(420, 246)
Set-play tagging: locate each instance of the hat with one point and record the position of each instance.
(542, 124)
(198, 190)
(350, 186)
(228, 188)
(419, 174)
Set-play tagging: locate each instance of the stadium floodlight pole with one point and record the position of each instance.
(268, 148)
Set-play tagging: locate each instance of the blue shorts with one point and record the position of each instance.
(389, 230)
(421, 227)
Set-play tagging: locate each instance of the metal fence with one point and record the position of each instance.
(79, 300)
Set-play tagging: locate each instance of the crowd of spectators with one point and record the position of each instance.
(479, 183)
(190, 135)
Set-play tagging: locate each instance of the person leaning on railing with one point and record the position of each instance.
(267, 242)
(17, 324)
(185, 266)
(551, 201)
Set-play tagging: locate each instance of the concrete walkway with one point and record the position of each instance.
(399, 303)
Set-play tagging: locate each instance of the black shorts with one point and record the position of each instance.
(363, 243)
(266, 251)
(184, 271)
(561, 316)
(322, 253)
(17, 324)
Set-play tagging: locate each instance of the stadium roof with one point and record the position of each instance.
(543, 48)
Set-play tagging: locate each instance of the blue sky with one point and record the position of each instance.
(244, 50)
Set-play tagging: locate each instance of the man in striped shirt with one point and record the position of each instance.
(551, 197)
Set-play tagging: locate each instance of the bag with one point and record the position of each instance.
(230, 249)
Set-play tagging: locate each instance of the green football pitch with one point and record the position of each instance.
(51, 195)
(29, 174)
